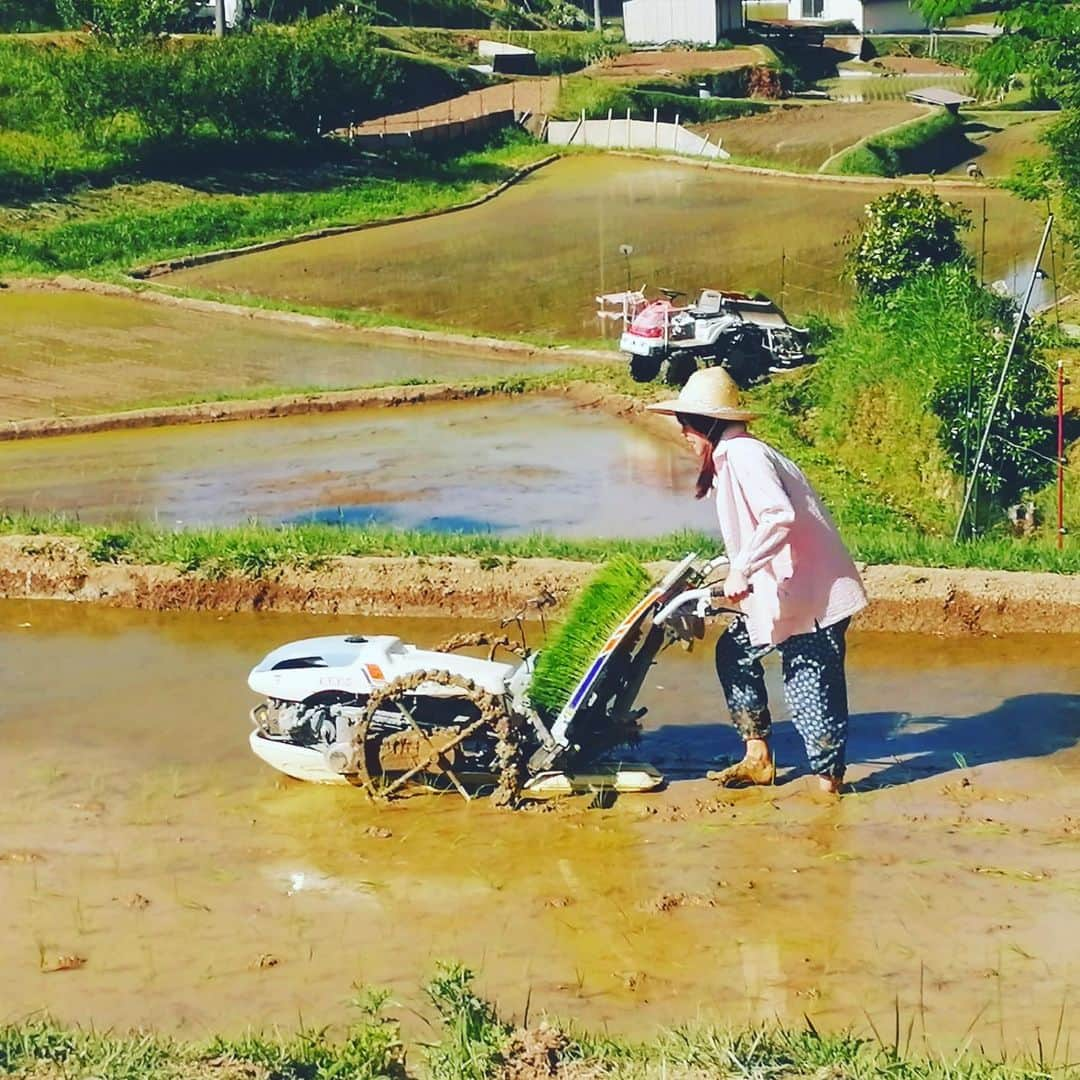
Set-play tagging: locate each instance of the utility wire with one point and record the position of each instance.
(1036, 453)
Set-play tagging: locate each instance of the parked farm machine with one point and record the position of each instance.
(748, 336)
(386, 716)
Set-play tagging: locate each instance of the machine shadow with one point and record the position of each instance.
(902, 746)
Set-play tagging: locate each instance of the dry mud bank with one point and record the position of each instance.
(903, 599)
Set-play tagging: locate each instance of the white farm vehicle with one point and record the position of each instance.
(748, 336)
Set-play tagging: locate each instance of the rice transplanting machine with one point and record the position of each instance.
(386, 716)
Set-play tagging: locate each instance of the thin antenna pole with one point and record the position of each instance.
(982, 246)
(1001, 380)
(1061, 453)
(1054, 278)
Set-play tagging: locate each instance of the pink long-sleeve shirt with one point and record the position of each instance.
(778, 533)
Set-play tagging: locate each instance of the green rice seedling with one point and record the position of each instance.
(603, 604)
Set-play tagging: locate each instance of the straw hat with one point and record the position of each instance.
(709, 391)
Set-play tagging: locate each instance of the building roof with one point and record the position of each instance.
(938, 95)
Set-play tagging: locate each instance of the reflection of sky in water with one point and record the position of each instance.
(514, 466)
(401, 516)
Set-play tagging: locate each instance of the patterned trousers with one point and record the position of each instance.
(815, 689)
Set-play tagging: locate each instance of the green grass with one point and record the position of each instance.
(602, 605)
(472, 1041)
(918, 146)
(206, 222)
(596, 95)
(255, 549)
(72, 115)
(371, 1049)
(557, 51)
(878, 421)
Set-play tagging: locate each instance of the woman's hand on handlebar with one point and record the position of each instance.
(734, 588)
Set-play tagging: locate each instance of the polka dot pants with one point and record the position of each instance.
(814, 687)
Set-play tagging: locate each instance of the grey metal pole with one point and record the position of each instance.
(1001, 380)
(596, 15)
(219, 19)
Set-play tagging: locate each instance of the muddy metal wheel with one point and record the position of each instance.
(493, 641)
(388, 761)
(677, 368)
(643, 368)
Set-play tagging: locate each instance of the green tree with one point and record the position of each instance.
(1041, 43)
(906, 232)
(935, 12)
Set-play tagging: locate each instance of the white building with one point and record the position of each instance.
(868, 16)
(703, 22)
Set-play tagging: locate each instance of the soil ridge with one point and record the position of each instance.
(905, 599)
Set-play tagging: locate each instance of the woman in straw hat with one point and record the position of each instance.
(790, 576)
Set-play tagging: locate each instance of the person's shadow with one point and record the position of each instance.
(902, 747)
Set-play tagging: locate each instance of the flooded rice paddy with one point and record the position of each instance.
(532, 260)
(503, 465)
(205, 893)
(67, 353)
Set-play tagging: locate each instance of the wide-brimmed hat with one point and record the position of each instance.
(708, 392)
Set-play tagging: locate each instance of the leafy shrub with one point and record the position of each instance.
(22, 15)
(902, 393)
(906, 232)
(124, 22)
(960, 52)
(85, 110)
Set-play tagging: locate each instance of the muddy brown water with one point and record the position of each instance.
(518, 465)
(67, 353)
(532, 260)
(205, 893)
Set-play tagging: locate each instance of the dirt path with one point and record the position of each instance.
(903, 599)
(676, 62)
(535, 95)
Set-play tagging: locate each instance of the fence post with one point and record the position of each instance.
(609, 129)
(675, 137)
(629, 141)
(655, 128)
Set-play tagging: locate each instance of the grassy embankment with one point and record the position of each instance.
(115, 230)
(207, 156)
(923, 145)
(596, 96)
(471, 1041)
(887, 402)
(85, 112)
(557, 51)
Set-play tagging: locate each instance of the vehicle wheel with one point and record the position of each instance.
(746, 361)
(677, 368)
(643, 368)
(387, 761)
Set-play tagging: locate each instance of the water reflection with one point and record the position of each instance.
(528, 464)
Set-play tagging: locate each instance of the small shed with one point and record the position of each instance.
(508, 59)
(701, 22)
(867, 16)
(939, 95)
